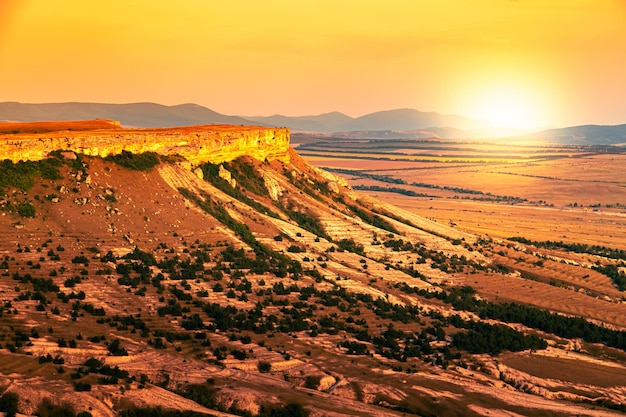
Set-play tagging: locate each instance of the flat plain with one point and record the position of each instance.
(541, 192)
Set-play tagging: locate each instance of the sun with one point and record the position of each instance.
(507, 107)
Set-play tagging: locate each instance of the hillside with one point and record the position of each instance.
(266, 286)
(584, 135)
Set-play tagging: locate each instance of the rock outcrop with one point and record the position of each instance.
(197, 144)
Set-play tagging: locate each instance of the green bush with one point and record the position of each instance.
(139, 162)
(21, 175)
(351, 246)
(26, 209)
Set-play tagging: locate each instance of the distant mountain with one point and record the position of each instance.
(410, 119)
(584, 135)
(157, 115)
(392, 124)
(134, 114)
(326, 123)
(396, 120)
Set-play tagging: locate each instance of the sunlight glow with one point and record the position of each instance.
(507, 107)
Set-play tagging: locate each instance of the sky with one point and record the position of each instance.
(513, 63)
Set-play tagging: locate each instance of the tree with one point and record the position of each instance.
(116, 349)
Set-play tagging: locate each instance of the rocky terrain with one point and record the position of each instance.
(208, 143)
(247, 282)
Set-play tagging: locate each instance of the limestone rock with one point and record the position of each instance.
(333, 187)
(333, 181)
(197, 144)
(326, 382)
(225, 174)
(273, 187)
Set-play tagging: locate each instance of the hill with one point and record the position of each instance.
(398, 120)
(327, 122)
(130, 115)
(253, 286)
(584, 135)
(156, 115)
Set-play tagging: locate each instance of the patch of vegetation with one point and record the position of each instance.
(373, 219)
(116, 349)
(138, 162)
(396, 190)
(598, 250)
(22, 175)
(264, 367)
(351, 246)
(536, 318)
(25, 209)
(8, 403)
(76, 163)
(391, 180)
(47, 408)
(246, 177)
(220, 213)
(306, 221)
(613, 271)
(494, 339)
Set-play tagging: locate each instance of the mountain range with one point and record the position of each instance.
(383, 124)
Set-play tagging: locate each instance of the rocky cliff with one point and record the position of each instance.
(197, 144)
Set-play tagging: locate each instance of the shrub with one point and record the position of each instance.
(82, 386)
(116, 349)
(26, 209)
(8, 403)
(21, 175)
(48, 408)
(264, 367)
(139, 162)
(81, 259)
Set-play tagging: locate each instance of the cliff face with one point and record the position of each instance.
(197, 144)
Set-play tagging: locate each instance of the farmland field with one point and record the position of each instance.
(542, 192)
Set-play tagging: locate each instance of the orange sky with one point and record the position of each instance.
(526, 62)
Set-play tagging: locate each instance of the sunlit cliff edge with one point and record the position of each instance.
(197, 144)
